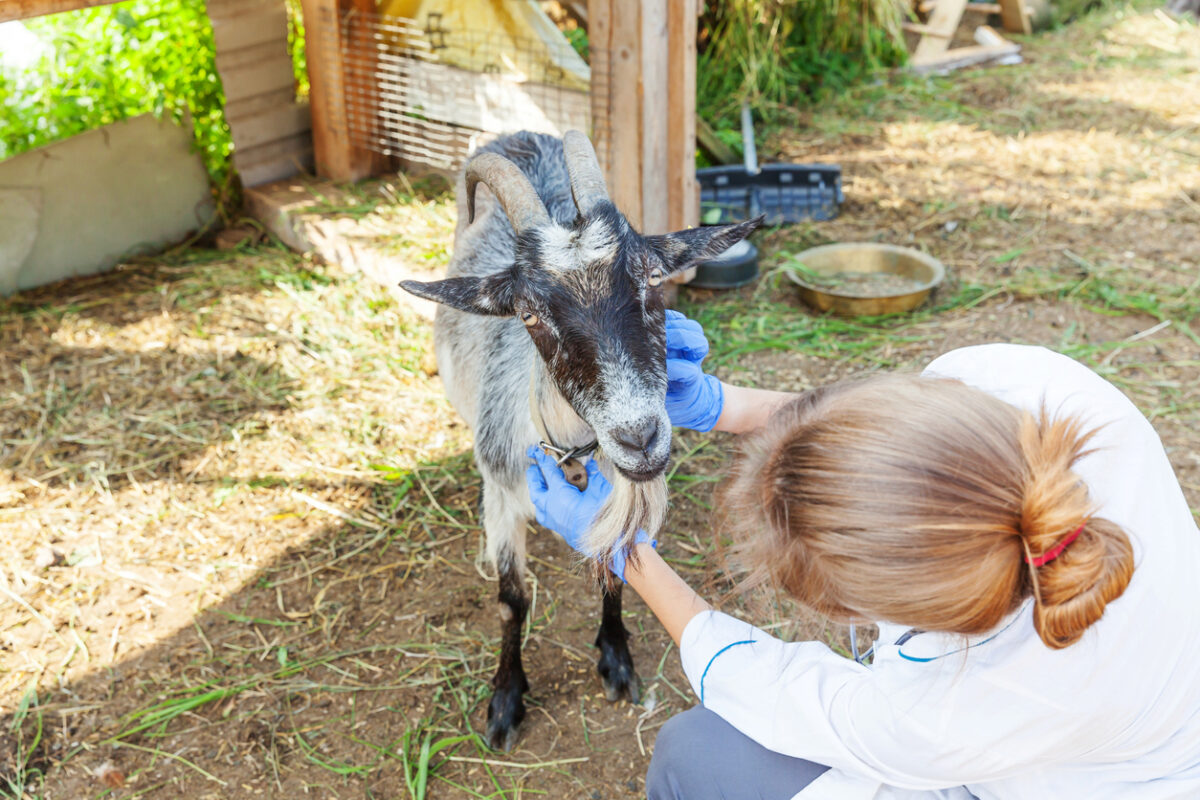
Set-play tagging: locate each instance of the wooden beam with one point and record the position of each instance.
(707, 138)
(338, 156)
(577, 9)
(644, 108)
(1015, 17)
(966, 57)
(943, 22)
(683, 190)
(656, 100)
(615, 34)
(978, 8)
(26, 9)
(923, 30)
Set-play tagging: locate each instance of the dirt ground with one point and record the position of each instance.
(241, 553)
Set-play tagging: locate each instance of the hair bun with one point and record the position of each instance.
(1071, 589)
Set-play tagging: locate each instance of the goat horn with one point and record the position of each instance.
(587, 181)
(516, 194)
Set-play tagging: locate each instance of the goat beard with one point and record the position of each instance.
(632, 506)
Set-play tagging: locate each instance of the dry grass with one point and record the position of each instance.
(169, 430)
(241, 519)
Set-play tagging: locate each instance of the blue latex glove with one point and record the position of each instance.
(694, 399)
(567, 511)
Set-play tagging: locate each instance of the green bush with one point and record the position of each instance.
(778, 54)
(116, 62)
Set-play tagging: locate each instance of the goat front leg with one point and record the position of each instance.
(616, 664)
(507, 707)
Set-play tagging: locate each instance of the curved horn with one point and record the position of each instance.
(587, 181)
(516, 194)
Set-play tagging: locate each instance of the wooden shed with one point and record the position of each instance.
(366, 110)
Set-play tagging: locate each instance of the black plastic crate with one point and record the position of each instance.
(783, 192)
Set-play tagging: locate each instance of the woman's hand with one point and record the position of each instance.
(560, 506)
(567, 511)
(694, 399)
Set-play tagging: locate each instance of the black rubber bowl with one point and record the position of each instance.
(736, 267)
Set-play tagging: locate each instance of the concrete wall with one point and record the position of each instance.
(80, 205)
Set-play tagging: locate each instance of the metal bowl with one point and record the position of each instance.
(867, 257)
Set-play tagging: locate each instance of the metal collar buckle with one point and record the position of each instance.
(566, 455)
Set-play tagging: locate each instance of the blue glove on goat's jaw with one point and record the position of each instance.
(568, 512)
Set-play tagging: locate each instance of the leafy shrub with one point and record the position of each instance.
(111, 63)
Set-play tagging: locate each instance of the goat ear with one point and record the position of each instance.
(491, 295)
(684, 249)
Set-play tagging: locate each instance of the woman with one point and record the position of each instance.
(1011, 523)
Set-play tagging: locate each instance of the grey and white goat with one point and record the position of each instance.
(551, 326)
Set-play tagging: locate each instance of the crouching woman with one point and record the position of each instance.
(1012, 525)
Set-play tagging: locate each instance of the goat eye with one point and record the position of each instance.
(655, 277)
(529, 319)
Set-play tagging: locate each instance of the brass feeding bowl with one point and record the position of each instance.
(921, 269)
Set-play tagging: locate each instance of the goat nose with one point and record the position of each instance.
(640, 436)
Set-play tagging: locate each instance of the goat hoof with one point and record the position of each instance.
(505, 713)
(616, 673)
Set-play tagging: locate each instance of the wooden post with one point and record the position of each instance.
(683, 199)
(26, 9)
(1015, 17)
(337, 156)
(644, 108)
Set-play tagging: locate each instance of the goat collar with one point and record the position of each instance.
(561, 454)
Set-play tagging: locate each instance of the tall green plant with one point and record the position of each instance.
(777, 54)
(111, 63)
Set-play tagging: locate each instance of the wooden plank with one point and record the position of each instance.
(600, 62)
(624, 174)
(1015, 16)
(655, 104)
(966, 56)
(266, 76)
(617, 100)
(232, 8)
(977, 8)
(684, 190)
(717, 149)
(247, 30)
(279, 148)
(283, 167)
(577, 9)
(337, 157)
(250, 56)
(258, 104)
(944, 19)
(270, 126)
(26, 9)
(923, 30)
(362, 80)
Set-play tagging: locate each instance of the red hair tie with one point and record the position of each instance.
(1055, 551)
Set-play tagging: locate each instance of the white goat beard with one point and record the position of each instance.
(632, 506)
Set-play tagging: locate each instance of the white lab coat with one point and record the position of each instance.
(1116, 715)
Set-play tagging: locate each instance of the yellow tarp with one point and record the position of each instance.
(514, 38)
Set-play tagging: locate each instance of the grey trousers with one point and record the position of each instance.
(699, 756)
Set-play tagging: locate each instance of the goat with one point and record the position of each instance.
(552, 325)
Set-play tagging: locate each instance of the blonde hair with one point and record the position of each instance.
(917, 501)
